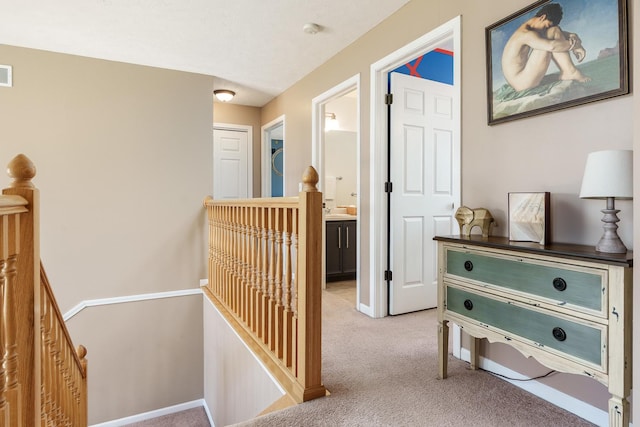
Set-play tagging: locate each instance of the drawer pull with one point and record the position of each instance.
(559, 284)
(559, 334)
(468, 304)
(468, 265)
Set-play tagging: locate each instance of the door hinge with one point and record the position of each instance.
(388, 187)
(388, 99)
(388, 275)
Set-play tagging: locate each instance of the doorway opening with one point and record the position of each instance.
(447, 35)
(336, 157)
(273, 155)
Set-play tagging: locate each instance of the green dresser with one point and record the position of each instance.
(565, 305)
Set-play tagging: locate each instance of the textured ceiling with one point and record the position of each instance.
(254, 47)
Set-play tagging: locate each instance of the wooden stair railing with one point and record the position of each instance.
(43, 379)
(265, 260)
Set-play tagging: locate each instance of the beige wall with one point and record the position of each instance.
(246, 116)
(542, 153)
(123, 156)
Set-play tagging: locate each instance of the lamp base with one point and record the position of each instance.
(610, 241)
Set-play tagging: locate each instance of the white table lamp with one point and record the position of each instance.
(609, 175)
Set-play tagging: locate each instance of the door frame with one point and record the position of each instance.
(317, 158)
(265, 143)
(249, 131)
(378, 156)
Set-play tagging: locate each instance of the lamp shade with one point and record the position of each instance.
(608, 173)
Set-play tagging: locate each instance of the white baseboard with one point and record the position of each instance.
(158, 413)
(543, 391)
(365, 309)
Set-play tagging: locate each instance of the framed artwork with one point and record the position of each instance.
(529, 217)
(554, 55)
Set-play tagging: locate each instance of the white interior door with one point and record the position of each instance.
(425, 166)
(230, 164)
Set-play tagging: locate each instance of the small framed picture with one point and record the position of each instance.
(529, 217)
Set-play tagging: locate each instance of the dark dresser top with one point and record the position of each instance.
(565, 250)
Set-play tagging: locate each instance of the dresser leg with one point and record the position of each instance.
(474, 350)
(443, 348)
(618, 412)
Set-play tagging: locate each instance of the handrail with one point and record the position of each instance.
(42, 377)
(265, 278)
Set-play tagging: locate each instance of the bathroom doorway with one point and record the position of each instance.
(336, 157)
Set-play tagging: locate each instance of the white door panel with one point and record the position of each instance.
(230, 164)
(424, 164)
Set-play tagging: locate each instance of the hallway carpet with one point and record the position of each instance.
(382, 372)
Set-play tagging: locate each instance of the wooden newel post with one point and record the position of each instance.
(27, 293)
(310, 287)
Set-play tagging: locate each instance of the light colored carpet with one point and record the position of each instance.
(195, 417)
(382, 372)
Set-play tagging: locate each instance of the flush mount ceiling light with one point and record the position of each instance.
(224, 95)
(311, 28)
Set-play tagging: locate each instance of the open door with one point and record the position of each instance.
(424, 162)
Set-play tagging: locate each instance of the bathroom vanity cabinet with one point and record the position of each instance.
(341, 250)
(567, 306)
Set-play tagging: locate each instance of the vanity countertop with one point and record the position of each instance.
(340, 217)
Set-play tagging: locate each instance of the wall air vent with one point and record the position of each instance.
(5, 76)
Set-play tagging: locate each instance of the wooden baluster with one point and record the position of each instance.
(83, 413)
(272, 275)
(230, 252)
(286, 334)
(220, 236)
(214, 250)
(13, 385)
(45, 342)
(222, 268)
(254, 268)
(3, 383)
(294, 298)
(238, 259)
(224, 231)
(228, 279)
(57, 343)
(239, 245)
(246, 280)
(239, 264)
(264, 263)
(278, 283)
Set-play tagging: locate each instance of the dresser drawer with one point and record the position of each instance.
(542, 328)
(582, 288)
